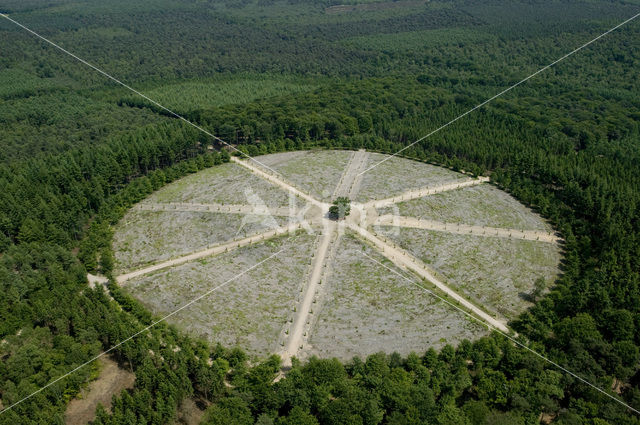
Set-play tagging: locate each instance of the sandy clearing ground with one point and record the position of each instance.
(251, 310)
(260, 237)
(397, 175)
(314, 172)
(497, 273)
(257, 317)
(367, 309)
(464, 229)
(277, 181)
(228, 183)
(218, 208)
(407, 261)
(111, 381)
(147, 237)
(425, 191)
(481, 205)
(332, 233)
(295, 339)
(351, 178)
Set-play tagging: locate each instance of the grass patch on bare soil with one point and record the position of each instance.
(398, 175)
(482, 205)
(224, 184)
(315, 172)
(143, 237)
(368, 309)
(496, 273)
(250, 311)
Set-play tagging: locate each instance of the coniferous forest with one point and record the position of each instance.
(77, 151)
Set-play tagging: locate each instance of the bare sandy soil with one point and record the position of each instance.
(482, 205)
(351, 179)
(251, 310)
(316, 172)
(398, 175)
(367, 309)
(497, 273)
(465, 229)
(223, 184)
(142, 237)
(323, 295)
(189, 413)
(111, 381)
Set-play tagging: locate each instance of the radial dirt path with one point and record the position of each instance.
(362, 216)
(424, 191)
(217, 208)
(351, 178)
(218, 249)
(303, 309)
(348, 186)
(465, 229)
(279, 182)
(399, 257)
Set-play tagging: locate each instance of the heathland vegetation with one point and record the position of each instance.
(78, 151)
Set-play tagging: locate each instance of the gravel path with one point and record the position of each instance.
(351, 178)
(428, 180)
(403, 259)
(218, 208)
(425, 191)
(465, 229)
(294, 342)
(260, 237)
(277, 181)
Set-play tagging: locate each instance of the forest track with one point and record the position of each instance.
(425, 191)
(296, 336)
(217, 208)
(405, 260)
(466, 229)
(278, 181)
(218, 249)
(351, 178)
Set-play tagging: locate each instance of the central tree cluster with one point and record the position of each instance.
(340, 209)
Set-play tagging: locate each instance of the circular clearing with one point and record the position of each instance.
(424, 256)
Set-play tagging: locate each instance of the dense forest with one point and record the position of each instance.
(76, 151)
